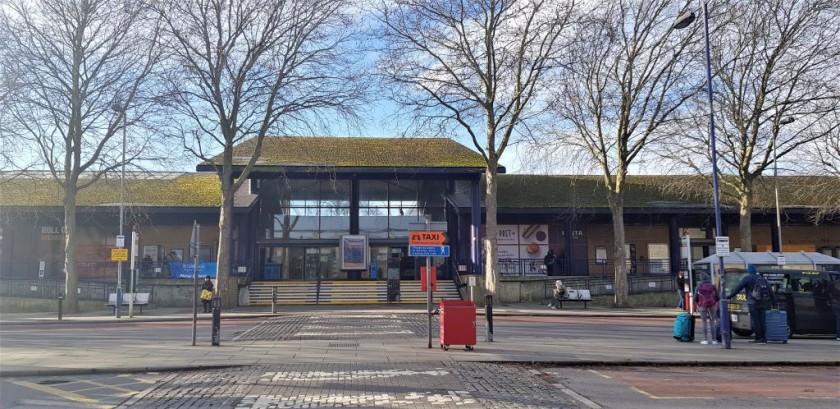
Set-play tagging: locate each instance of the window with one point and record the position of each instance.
(312, 209)
(600, 255)
(386, 208)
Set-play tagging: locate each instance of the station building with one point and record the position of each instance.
(328, 208)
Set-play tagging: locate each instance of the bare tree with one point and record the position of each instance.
(242, 69)
(773, 60)
(625, 80)
(73, 57)
(474, 67)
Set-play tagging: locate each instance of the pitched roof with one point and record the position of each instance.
(586, 191)
(161, 189)
(318, 151)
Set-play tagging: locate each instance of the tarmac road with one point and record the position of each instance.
(363, 358)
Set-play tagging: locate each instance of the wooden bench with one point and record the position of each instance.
(140, 299)
(574, 296)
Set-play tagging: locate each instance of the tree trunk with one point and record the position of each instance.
(71, 283)
(491, 255)
(746, 205)
(225, 289)
(619, 254)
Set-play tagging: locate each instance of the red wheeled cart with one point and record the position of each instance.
(457, 323)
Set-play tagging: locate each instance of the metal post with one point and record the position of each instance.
(60, 300)
(273, 299)
(429, 287)
(118, 106)
(724, 306)
(488, 315)
(131, 268)
(217, 322)
(194, 245)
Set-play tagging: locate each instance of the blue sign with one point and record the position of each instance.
(428, 251)
(184, 269)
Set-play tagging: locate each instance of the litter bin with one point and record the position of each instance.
(457, 323)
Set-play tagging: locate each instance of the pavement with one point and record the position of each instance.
(568, 341)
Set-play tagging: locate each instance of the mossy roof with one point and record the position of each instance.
(577, 191)
(153, 190)
(167, 189)
(289, 151)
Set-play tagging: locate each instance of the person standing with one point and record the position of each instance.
(759, 298)
(207, 293)
(549, 262)
(834, 299)
(680, 281)
(707, 297)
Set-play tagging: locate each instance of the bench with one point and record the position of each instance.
(573, 296)
(140, 299)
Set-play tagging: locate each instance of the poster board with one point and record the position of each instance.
(354, 252)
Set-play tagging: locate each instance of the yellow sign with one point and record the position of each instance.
(119, 254)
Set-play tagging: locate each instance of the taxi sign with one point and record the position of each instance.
(427, 238)
(119, 254)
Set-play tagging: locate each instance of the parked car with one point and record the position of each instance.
(802, 293)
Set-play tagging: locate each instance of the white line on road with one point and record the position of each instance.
(576, 396)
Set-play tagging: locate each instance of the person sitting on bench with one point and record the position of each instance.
(560, 293)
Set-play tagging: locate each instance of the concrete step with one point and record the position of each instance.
(344, 292)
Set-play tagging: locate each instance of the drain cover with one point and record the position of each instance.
(52, 381)
(342, 345)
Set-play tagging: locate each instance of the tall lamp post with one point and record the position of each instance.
(117, 106)
(684, 21)
(784, 121)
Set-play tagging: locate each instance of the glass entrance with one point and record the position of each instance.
(301, 263)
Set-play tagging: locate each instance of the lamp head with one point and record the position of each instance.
(685, 20)
(787, 120)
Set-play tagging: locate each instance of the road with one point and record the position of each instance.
(447, 383)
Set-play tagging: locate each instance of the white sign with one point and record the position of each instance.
(471, 281)
(780, 260)
(120, 241)
(722, 246)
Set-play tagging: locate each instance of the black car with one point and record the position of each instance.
(802, 293)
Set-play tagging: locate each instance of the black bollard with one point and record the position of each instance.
(217, 321)
(488, 314)
(60, 300)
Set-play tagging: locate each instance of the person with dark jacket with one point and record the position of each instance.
(680, 283)
(207, 293)
(757, 308)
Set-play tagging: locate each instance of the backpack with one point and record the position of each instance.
(761, 290)
(706, 296)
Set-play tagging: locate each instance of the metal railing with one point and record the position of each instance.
(564, 268)
(51, 289)
(606, 285)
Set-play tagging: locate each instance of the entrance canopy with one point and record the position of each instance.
(793, 260)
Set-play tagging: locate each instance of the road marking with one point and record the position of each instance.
(669, 397)
(114, 387)
(576, 396)
(600, 374)
(75, 397)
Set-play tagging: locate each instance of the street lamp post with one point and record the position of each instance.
(784, 121)
(682, 22)
(117, 106)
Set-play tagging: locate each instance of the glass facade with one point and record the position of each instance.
(305, 218)
(312, 209)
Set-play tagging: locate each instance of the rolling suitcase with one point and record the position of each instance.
(684, 327)
(777, 326)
